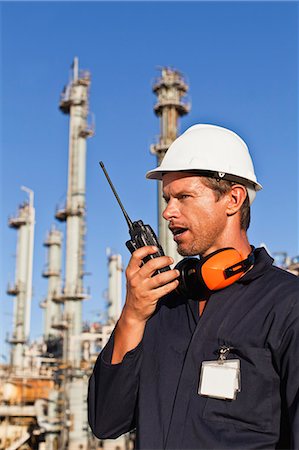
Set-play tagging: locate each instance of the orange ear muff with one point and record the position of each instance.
(214, 268)
(215, 271)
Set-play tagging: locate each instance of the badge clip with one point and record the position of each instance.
(223, 354)
(220, 378)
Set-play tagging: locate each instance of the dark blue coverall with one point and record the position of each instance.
(155, 387)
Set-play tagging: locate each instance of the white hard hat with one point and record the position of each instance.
(211, 151)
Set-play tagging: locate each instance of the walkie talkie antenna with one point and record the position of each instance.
(129, 221)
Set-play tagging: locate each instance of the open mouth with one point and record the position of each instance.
(178, 232)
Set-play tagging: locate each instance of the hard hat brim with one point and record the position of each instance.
(251, 186)
(157, 174)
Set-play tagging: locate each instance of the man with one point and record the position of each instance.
(210, 363)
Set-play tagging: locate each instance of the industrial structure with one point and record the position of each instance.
(74, 102)
(22, 289)
(171, 89)
(43, 389)
(115, 270)
(52, 303)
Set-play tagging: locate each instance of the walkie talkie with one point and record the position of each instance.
(141, 234)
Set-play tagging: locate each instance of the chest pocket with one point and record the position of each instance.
(253, 407)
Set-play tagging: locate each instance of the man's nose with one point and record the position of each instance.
(170, 210)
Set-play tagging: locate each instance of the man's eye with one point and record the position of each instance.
(184, 196)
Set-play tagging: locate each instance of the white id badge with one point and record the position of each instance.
(220, 379)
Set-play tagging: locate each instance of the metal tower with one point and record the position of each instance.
(115, 270)
(24, 222)
(170, 89)
(74, 102)
(52, 303)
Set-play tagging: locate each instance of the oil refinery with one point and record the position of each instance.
(44, 387)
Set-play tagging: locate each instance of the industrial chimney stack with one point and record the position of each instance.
(52, 303)
(74, 102)
(24, 222)
(170, 89)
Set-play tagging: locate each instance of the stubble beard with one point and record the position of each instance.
(201, 246)
(194, 249)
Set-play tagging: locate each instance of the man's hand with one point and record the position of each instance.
(143, 292)
(143, 289)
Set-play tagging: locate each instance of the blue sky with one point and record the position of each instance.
(241, 61)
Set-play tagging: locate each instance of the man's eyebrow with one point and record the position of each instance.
(181, 192)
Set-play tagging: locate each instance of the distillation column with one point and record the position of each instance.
(170, 89)
(24, 222)
(74, 102)
(115, 270)
(52, 303)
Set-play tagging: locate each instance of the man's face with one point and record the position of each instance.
(196, 219)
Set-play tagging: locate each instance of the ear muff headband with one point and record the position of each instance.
(213, 272)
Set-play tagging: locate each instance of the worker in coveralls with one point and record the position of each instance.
(204, 356)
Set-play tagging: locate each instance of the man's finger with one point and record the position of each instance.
(136, 259)
(166, 289)
(163, 278)
(151, 266)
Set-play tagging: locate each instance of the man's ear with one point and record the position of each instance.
(236, 198)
